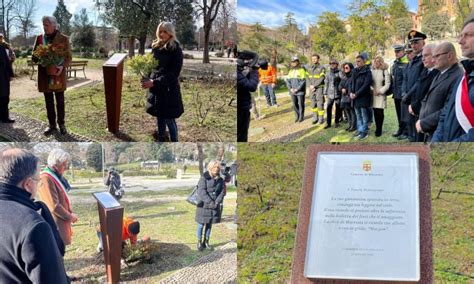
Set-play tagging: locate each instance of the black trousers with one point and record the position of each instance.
(243, 123)
(4, 101)
(378, 116)
(338, 117)
(351, 117)
(398, 109)
(298, 107)
(50, 110)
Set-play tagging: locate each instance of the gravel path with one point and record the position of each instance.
(219, 266)
(26, 129)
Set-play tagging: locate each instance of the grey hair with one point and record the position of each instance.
(57, 157)
(212, 163)
(431, 46)
(17, 165)
(52, 20)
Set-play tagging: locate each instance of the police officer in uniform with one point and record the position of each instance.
(315, 74)
(398, 67)
(412, 73)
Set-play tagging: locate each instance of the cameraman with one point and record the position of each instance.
(247, 81)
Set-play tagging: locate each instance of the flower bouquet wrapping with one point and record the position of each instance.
(50, 56)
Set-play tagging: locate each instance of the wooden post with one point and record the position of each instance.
(111, 218)
(113, 77)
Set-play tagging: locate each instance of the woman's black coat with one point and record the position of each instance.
(211, 192)
(166, 89)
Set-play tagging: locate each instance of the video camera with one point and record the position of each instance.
(247, 59)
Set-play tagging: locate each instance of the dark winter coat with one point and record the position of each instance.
(433, 102)
(398, 68)
(211, 192)
(423, 85)
(6, 72)
(448, 129)
(331, 84)
(315, 75)
(246, 83)
(360, 86)
(344, 84)
(166, 89)
(28, 249)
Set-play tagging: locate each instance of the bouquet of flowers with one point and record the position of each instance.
(142, 65)
(50, 56)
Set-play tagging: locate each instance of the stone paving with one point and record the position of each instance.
(31, 130)
(220, 266)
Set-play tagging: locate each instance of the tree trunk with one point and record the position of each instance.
(141, 48)
(205, 58)
(200, 158)
(131, 46)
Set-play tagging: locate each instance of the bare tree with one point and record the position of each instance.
(200, 158)
(24, 11)
(224, 20)
(208, 10)
(7, 17)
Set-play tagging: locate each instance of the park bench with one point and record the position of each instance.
(79, 65)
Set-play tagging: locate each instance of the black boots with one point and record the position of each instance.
(200, 245)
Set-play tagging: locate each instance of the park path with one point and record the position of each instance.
(220, 266)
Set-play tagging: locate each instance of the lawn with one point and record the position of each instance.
(269, 196)
(207, 117)
(278, 125)
(164, 216)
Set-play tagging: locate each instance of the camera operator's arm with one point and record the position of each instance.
(249, 83)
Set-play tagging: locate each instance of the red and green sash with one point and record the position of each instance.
(57, 181)
(464, 108)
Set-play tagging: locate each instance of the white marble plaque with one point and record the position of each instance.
(364, 221)
(106, 199)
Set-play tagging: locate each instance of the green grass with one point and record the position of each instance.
(164, 216)
(86, 113)
(283, 117)
(267, 224)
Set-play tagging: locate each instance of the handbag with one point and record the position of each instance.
(193, 198)
(150, 104)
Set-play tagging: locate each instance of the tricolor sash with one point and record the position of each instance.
(464, 108)
(57, 181)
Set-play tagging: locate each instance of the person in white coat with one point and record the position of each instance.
(380, 85)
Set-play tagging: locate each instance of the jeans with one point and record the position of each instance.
(362, 115)
(172, 127)
(207, 230)
(269, 94)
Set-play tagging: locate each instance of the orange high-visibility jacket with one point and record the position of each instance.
(267, 76)
(125, 233)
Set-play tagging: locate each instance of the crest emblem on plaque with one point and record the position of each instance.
(367, 166)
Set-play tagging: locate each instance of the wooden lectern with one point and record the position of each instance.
(111, 218)
(113, 77)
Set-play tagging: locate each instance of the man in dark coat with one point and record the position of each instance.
(423, 85)
(6, 74)
(29, 251)
(360, 94)
(211, 191)
(441, 87)
(456, 122)
(247, 81)
(331, 91)
(412, 73)
(398, 67)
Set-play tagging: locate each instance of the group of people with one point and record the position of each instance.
(39, 201)
(165, 100)
(432, 92)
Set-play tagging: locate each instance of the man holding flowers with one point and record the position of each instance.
(52, 53)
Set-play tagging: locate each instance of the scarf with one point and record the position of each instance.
(13, 193)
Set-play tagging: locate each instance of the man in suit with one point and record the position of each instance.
(423, 85)
(6, 75)
(457, 119)
(442, 86)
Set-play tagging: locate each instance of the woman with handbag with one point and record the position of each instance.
(211, 191)
(164, 81)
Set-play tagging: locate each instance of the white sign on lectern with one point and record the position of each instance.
(364, 220)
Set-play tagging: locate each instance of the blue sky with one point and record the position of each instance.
(271, 13)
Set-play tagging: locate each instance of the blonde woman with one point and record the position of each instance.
(164, 82)
(380, 85)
